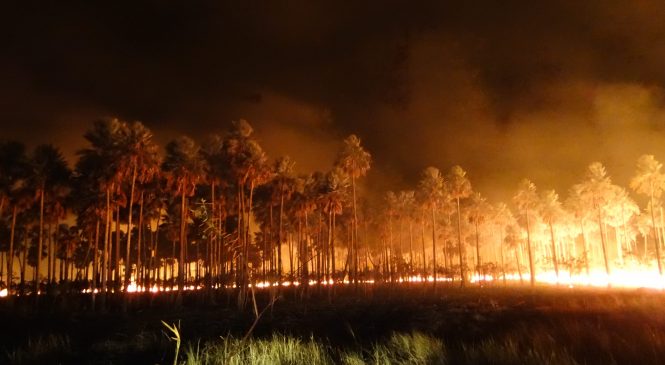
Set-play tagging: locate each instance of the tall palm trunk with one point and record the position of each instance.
(24, 263)
(281, 238)
(354, 232)
(289, 239)
(653, 224)
(434, 268)
(95, 266)
(306, 255)
(503, 264)
(128, 266)
(332, 246)
(519, 266)
(183, 241)
(41, 238)
(172, 279)
(248, 237)
(321, 247)
(221, 250)
(390, 245)
(478, 263)
(106, 252)
(53, 248)
(460, 246)
(586, 250)
(554, 255)
(139, 242)
(532, 270)
(212, 242)
(422, 241)
(241, 236)
(118, 279)
(10, 265)
(271, 243)
(603, 244)
(411, 246)
(50, 270)
(400, 251)
(328, 263)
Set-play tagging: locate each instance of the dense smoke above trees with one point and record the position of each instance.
(506, 90)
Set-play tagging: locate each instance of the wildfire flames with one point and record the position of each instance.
(443, 230)
(624, 278)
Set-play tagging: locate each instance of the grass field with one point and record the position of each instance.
(403, 325)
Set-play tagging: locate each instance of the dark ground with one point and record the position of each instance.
(594, 326)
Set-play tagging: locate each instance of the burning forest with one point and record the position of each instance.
(222, 214)
(317, 182)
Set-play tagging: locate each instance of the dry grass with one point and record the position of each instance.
(397, 326)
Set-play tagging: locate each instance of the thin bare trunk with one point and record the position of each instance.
(460, 245)
(532, 270)
(554, 256)
(128, 266)
(10, 265)
(41, 238)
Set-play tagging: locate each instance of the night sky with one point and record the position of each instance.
(507, 89)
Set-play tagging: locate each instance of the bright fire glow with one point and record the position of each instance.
(631, 276)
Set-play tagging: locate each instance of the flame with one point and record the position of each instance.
(629, 275)
(618, 278)
(4, 293)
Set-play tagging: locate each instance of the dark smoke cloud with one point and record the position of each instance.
(506, 89)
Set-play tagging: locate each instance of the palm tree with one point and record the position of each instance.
(431, 187)
(406, 203)
(88, 203)
(184, 169)
(596, 190)
(478, 210)
(513, 240)
(578, 206)
(284, 185)
(618, 212)
(526, 201)
(334, 197)
(649, 180)
(99, 166)
(502, 217)
(49, 176)
(13, 172)
(552, 212)
(248, 164)
(139, 161)
(459, 187)
(217, 175)
(392, 208)
(355, 162)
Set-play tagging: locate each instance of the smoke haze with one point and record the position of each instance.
(507, 89)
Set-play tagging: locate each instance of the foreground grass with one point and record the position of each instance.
(399, 349)
(415, 348)
(401, 326)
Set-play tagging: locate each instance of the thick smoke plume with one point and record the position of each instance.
(506, 89)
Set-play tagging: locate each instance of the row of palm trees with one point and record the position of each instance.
(221, 214)
(597, 226)
(226, 211)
